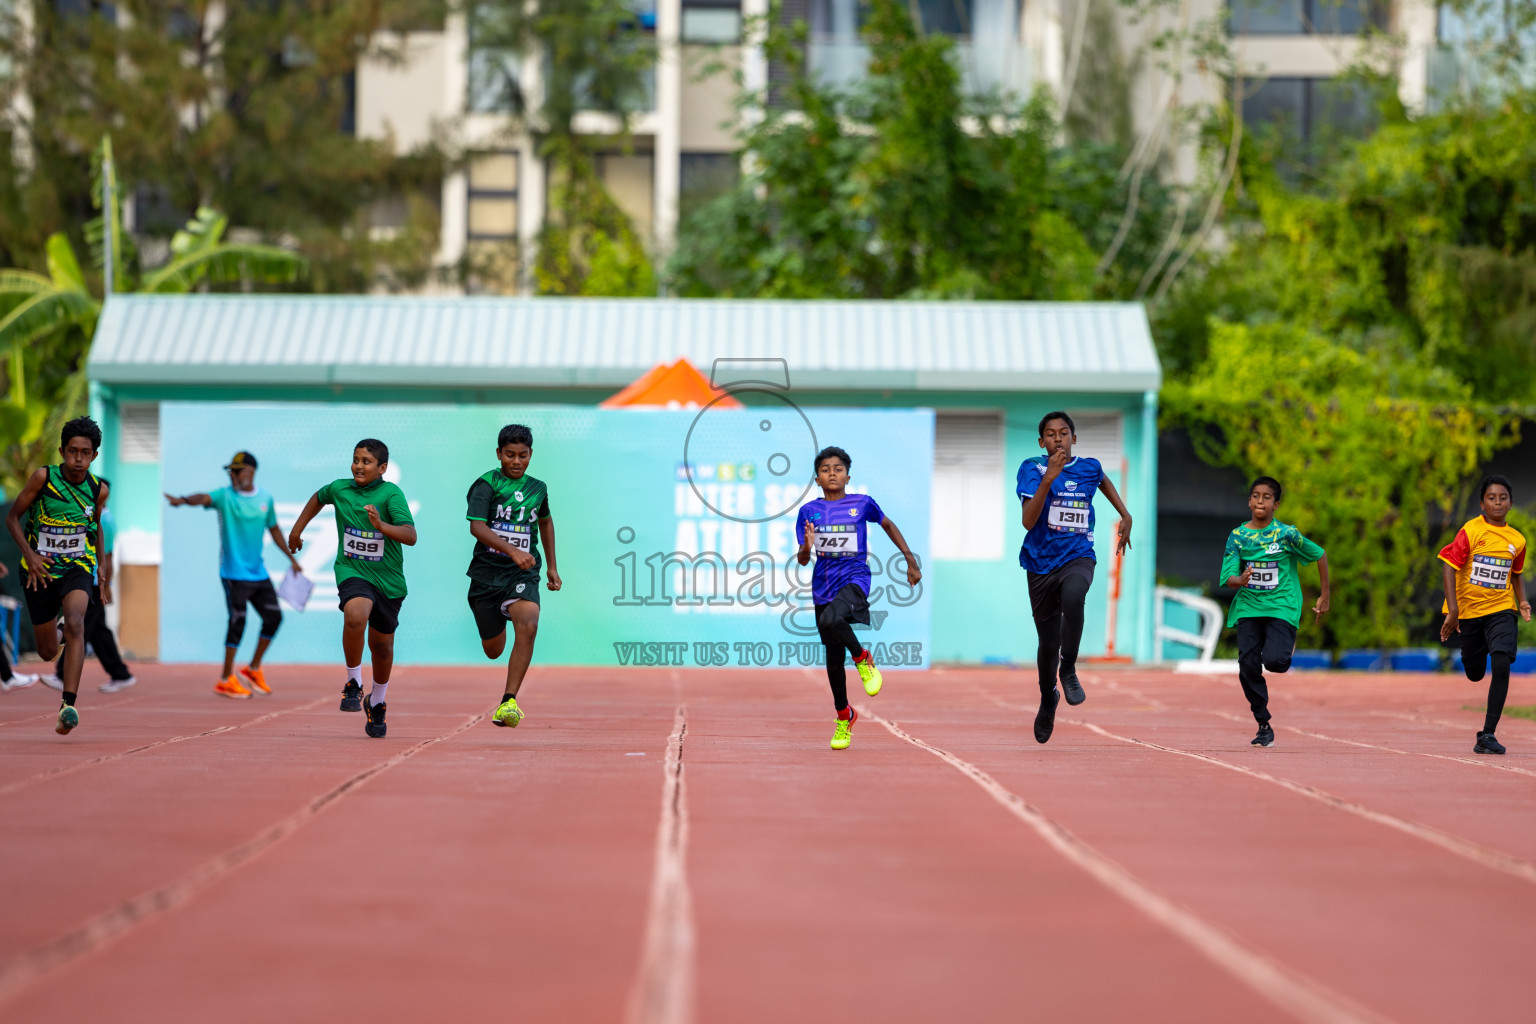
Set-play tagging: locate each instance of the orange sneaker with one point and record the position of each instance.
(231, 688)
(256, 679)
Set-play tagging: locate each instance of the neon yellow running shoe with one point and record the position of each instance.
(509, 714)
(844, 734)
(68, 719)
(865, 663)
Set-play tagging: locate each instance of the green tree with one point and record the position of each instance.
(239, 105)
(905, 185)
(1377, 454)
(594, 57)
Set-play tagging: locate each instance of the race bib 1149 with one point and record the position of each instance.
(1489, 572)
(367, 545)
(1068, 515)
(60, 541)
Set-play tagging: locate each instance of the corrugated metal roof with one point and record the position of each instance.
(509, 342)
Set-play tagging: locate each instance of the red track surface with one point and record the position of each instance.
(186, 858)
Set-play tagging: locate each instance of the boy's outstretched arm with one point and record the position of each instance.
(914, 574)
(296, 535)
(1321, 607)
(547, 538)
(37, 564)
(1123, 527)
(189, 499)
(1453, 614)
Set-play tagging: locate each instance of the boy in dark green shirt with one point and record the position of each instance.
(504, 506)
(373, 520)
(1261, 560)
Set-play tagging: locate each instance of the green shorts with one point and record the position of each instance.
(486, 600)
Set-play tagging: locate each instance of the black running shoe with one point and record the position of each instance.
(1070, 687)
(1486, 744)
(375, 726)
(1045, 718)
(351, 697)
(1265, 738)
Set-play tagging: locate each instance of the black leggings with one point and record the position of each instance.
(1498, 689)
(259, 594)
(1058, 601)
(838, 636)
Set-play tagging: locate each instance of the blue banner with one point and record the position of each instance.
(674, 528)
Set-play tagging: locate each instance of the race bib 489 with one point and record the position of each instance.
(365, 544)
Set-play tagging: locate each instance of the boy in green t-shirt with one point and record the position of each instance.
(1261, 560)
(504, 505)
(373, 520)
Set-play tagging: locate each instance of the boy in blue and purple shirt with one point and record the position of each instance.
(836, 525)
(1056, 491)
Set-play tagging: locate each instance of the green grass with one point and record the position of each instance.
(1510, 710)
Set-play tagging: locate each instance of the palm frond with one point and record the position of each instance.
(22, 282)
(44, 313)
(225, 264)
(63, 268)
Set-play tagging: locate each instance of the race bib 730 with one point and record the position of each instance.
(519, 537)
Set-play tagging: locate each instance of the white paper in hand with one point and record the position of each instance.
(295, 590)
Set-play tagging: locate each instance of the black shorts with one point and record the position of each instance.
(851, 604)
(1485, 635)
(486, 599)
(45, 605)
(1045, 588)
(258, 593)
(385, 617)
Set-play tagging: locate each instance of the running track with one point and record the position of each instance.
(660, 846)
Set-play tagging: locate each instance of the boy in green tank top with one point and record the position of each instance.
(373, 521)
(59, 541)
(504, 507)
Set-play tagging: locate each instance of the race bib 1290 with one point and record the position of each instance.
(1263, 575)
(1490, 572)
(367, 545)
(60, 541)
(1070, 516)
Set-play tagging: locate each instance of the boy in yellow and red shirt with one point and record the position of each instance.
(1483, 588)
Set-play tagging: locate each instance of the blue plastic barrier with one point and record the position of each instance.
(1361, 661)
(1312, 660)
(1416, 659)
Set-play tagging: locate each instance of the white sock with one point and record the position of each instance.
(376, 695)
(355, 674)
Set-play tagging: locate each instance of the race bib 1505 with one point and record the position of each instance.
(1490, 572)
(1071, 516)
(365, 544)
(520, 537)
(837, 541)
(56, 541)
(1264, 575)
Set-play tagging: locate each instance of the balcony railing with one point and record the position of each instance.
(985, 66)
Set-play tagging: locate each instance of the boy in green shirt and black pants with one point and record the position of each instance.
(1261, 560)
(373, 520)
(504, 506)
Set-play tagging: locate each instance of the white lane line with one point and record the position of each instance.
(1478, 854)
(54, 773)
(1486, 762)
(22, 970)
(50, 716)
(1293, 992)
(663, 988)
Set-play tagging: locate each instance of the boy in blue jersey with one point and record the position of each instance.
(1057, 495)
(836, 527)
(245, 514)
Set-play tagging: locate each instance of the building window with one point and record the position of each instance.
(492, 213)
(968, 496)
(630, 180)
(1100, 435)
(140, 427)
(1305, 17)
(712, 21)
(1320, 110)
(493, 72)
